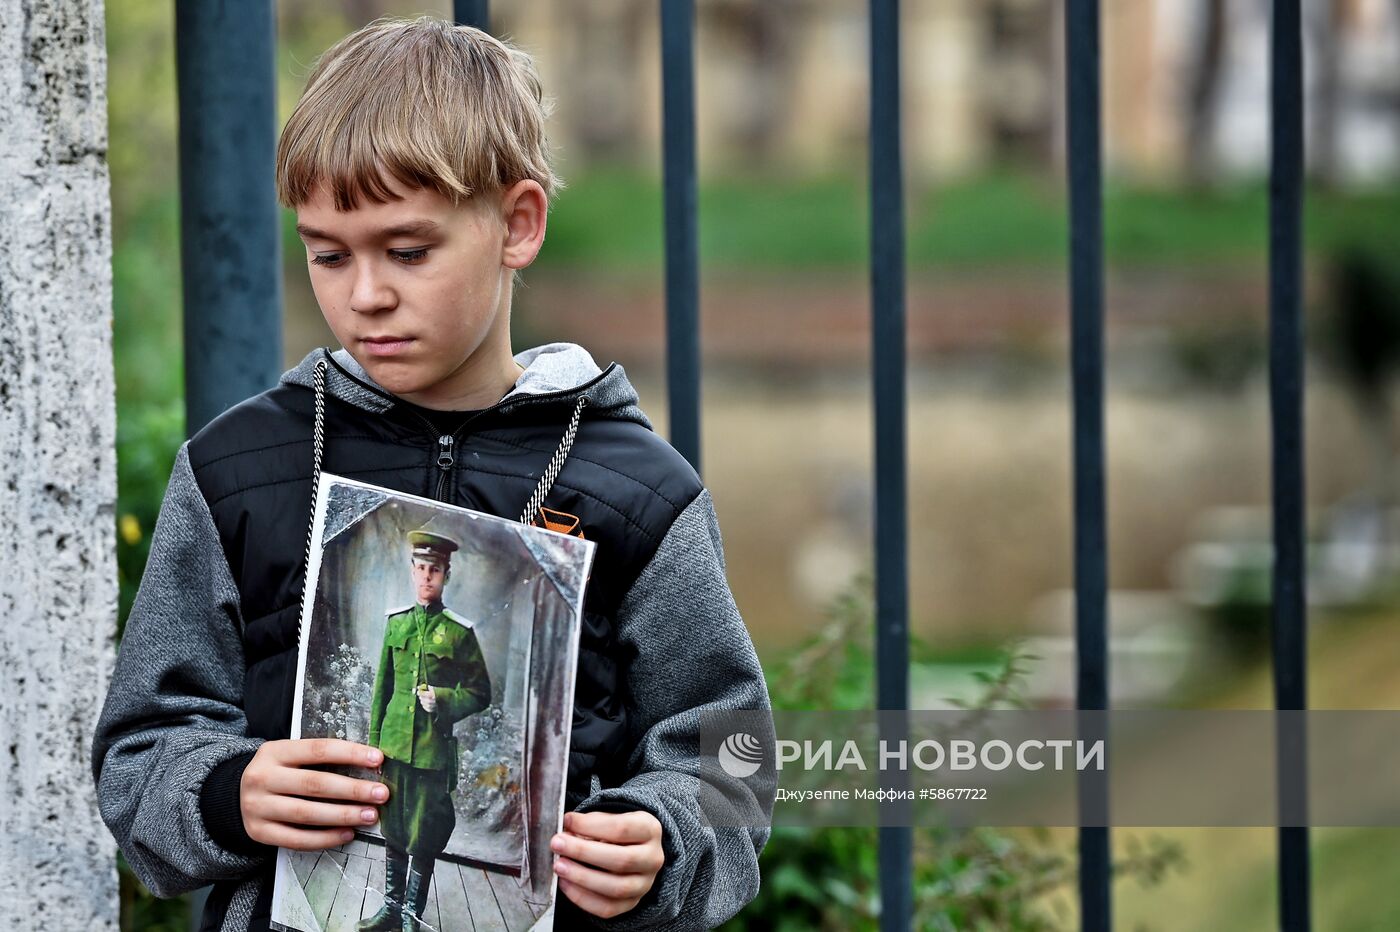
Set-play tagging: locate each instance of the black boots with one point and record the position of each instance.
(390, 917)
(420, 880)
(405, 893)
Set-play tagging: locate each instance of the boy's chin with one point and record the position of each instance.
(398, 376)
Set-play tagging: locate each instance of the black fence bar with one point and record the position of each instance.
(682, 251)
(230, 253)
(1286, 409)
(891, 519)
(472, 13)
(229, 234)
(1086, 338)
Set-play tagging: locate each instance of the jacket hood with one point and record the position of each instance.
(555, 373)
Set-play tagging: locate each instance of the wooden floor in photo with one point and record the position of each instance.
(344, 885)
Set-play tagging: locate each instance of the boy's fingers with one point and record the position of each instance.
(620, 859)
(294, 781)
(304, 751)
(605, 885)
(587, 900)
(300, 839)
(295, 811)
(623, 828)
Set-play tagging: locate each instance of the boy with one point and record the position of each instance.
(418, 167)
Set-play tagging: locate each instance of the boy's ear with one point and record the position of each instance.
(524, 207)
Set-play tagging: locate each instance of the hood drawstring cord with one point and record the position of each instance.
(551, 472)
(318, 446)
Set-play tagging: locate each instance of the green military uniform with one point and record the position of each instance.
(424, 645)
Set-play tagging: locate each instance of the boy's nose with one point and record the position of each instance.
(371, 293)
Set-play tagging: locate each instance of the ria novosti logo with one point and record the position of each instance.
(740, 755)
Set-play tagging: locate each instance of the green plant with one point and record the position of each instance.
(148, 437)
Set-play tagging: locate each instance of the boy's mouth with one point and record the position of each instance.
(385, 346)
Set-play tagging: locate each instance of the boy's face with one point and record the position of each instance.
(418, 289)
(428, 580)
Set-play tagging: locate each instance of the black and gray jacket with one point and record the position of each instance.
(207, 661)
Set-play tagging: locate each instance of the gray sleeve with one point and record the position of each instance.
(174, 707)
(691, 656)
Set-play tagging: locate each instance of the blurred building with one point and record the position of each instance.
(782, 84)
(1352, 83)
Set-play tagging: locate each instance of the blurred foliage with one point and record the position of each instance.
(145, 274)
(969, 879)
(142, 912)
(147, 438)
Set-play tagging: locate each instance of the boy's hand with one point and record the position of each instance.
(274, 786)
(609, 859)
(427, 697)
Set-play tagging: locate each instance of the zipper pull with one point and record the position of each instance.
(444, 459)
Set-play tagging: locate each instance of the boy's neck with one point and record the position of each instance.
(468, 395)
(470, 388)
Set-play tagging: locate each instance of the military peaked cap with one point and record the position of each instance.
(435, 548)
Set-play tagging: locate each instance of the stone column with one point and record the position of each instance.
(58, 581)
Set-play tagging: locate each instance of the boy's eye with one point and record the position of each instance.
(331, 260)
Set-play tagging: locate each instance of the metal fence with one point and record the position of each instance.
(225, 67)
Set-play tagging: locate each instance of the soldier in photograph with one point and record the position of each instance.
(431, 675)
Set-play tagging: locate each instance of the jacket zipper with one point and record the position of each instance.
(444, 464)
(446, 445)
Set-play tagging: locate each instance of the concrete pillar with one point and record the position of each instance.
(58, 581)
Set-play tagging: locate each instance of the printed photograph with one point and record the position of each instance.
(447, 638)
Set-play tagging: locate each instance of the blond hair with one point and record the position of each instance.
(425, 102)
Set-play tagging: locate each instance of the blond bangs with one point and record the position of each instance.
(423, 102)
